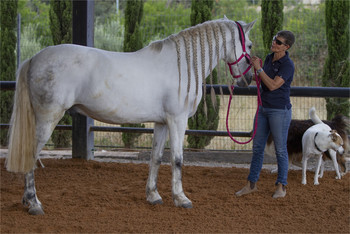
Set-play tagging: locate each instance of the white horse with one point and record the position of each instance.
(159, 83)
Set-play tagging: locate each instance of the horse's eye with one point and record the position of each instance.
(250, 47)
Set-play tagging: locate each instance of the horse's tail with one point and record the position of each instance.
(22, 138)
(313, 116)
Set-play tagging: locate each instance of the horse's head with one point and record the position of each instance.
(238, 55)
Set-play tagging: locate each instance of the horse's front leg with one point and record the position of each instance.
(29, 197)
(177, 128)
(159, 138)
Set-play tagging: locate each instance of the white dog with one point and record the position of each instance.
(316, 140)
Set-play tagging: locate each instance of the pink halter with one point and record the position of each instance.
(244, 54)
(247, 56)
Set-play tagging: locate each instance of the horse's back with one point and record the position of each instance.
(104, 85)
(67, 59)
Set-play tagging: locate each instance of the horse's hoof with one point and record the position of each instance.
(187, 205)
(154, 198)
(157, 202)
(182, 201)
(37, 210)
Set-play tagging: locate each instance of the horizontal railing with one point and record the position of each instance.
(339, 92)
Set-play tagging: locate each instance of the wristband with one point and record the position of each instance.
(259, 70)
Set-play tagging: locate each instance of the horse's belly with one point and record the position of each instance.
(120, 115)
(123, 101)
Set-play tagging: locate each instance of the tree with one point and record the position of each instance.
(201, 12)
(271, 20)
(61, 30)
(336, 69)
(156, 25)
(132, 42)
(133, 17)
(36, 14)
(7, 60)
(61, 21)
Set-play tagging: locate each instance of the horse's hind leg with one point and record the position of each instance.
(29, 197)
(44, 128)
(159, 139)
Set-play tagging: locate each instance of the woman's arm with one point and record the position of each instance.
(271, 84)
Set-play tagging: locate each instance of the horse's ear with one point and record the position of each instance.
(225, 18)
(249, 26)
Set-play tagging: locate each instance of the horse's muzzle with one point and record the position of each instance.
(245, 80)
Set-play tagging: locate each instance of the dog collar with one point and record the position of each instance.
(316, 144)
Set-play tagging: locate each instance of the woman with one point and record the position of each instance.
(275, 114)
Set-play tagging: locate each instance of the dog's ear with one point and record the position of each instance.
(333, 135)
(336, 137)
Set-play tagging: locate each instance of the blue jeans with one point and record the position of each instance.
(277, 122)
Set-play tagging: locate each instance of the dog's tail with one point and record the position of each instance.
(313, 116)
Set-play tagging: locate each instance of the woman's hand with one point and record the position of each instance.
(256, 62)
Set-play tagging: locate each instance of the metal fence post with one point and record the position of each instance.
(83, 34)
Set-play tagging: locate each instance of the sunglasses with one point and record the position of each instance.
(278, 42)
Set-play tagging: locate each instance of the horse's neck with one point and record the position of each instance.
(166, 52)
(210, 59)
(216, 57)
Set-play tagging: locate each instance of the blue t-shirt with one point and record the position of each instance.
(284, 68)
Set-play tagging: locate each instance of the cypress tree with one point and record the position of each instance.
(61, 21)
(201, 12)
(7, 60)
(61, 30)
(132, 42)
(336, 70)
(133, 17)
(271, 20)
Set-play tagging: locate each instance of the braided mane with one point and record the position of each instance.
(208, 32)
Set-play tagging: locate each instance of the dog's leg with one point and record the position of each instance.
(333, 155)
(322, 169)
(343, 163)
(304, 165)
(319, 162)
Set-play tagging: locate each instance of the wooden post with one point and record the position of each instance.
(83, 34)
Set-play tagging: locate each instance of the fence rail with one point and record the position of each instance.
(147, 130)
(339, 92)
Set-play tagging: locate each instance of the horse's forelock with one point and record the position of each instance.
(230, 26)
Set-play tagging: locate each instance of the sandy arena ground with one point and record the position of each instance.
(109, 197)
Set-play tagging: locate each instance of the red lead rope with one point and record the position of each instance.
(258, 81)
